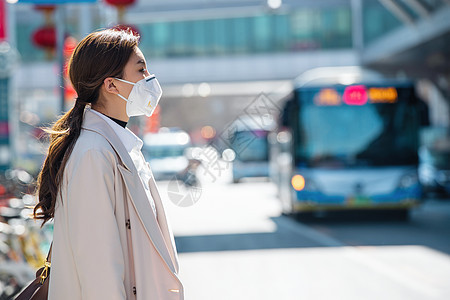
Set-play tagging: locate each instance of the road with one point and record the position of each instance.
(234, 244)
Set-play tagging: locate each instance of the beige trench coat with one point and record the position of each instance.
(90, 256)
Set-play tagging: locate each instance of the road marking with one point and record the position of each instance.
(390, 272)
(357, 255)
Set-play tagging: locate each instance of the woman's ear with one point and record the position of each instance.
(109, 86)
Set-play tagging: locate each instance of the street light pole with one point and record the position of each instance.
(357, 28)
(60, 28)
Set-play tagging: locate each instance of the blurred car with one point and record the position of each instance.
(165, 151)
(434, 171)
(250, 146)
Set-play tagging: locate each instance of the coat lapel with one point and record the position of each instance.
(162, 220)
(145, 214)
(136, 191)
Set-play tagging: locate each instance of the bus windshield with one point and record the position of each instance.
(251, 145)
(372, 134)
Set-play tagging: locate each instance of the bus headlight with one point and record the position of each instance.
(298, 182)
(408, 181)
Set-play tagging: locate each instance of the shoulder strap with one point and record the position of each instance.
(49, 255)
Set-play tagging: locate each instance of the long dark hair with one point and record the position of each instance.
(99, 55)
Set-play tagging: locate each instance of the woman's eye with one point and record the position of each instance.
(143, 70)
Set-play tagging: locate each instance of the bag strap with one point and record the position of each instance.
(49, 255)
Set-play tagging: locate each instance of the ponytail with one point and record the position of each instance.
(63, 135)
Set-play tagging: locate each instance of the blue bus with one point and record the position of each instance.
(347, 139)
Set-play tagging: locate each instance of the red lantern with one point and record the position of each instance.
(45, 8)
(45, 37)
(120, 2)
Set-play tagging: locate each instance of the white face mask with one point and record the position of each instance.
(144, 96)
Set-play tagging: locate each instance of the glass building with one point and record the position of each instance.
(293, 31)
(299, 30)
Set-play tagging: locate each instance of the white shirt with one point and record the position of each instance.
(133, 144)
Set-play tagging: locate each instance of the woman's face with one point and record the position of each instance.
(135, 70)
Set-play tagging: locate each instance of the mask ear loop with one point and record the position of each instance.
(122, 97)
(126, 81)
(120, 79)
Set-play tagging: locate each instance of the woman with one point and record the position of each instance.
(111, 236)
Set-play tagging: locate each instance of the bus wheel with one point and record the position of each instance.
(235, 180)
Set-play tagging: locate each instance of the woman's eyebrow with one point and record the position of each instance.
(141, 61)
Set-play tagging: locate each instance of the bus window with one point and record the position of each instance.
(371, 134)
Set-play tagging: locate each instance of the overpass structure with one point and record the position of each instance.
(419, 46)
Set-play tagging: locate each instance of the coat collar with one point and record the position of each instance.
(160, 236)
(93, 122)
(128, 138)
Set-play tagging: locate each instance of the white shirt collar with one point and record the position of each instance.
(128, 138)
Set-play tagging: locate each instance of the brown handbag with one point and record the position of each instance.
(38, 288)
